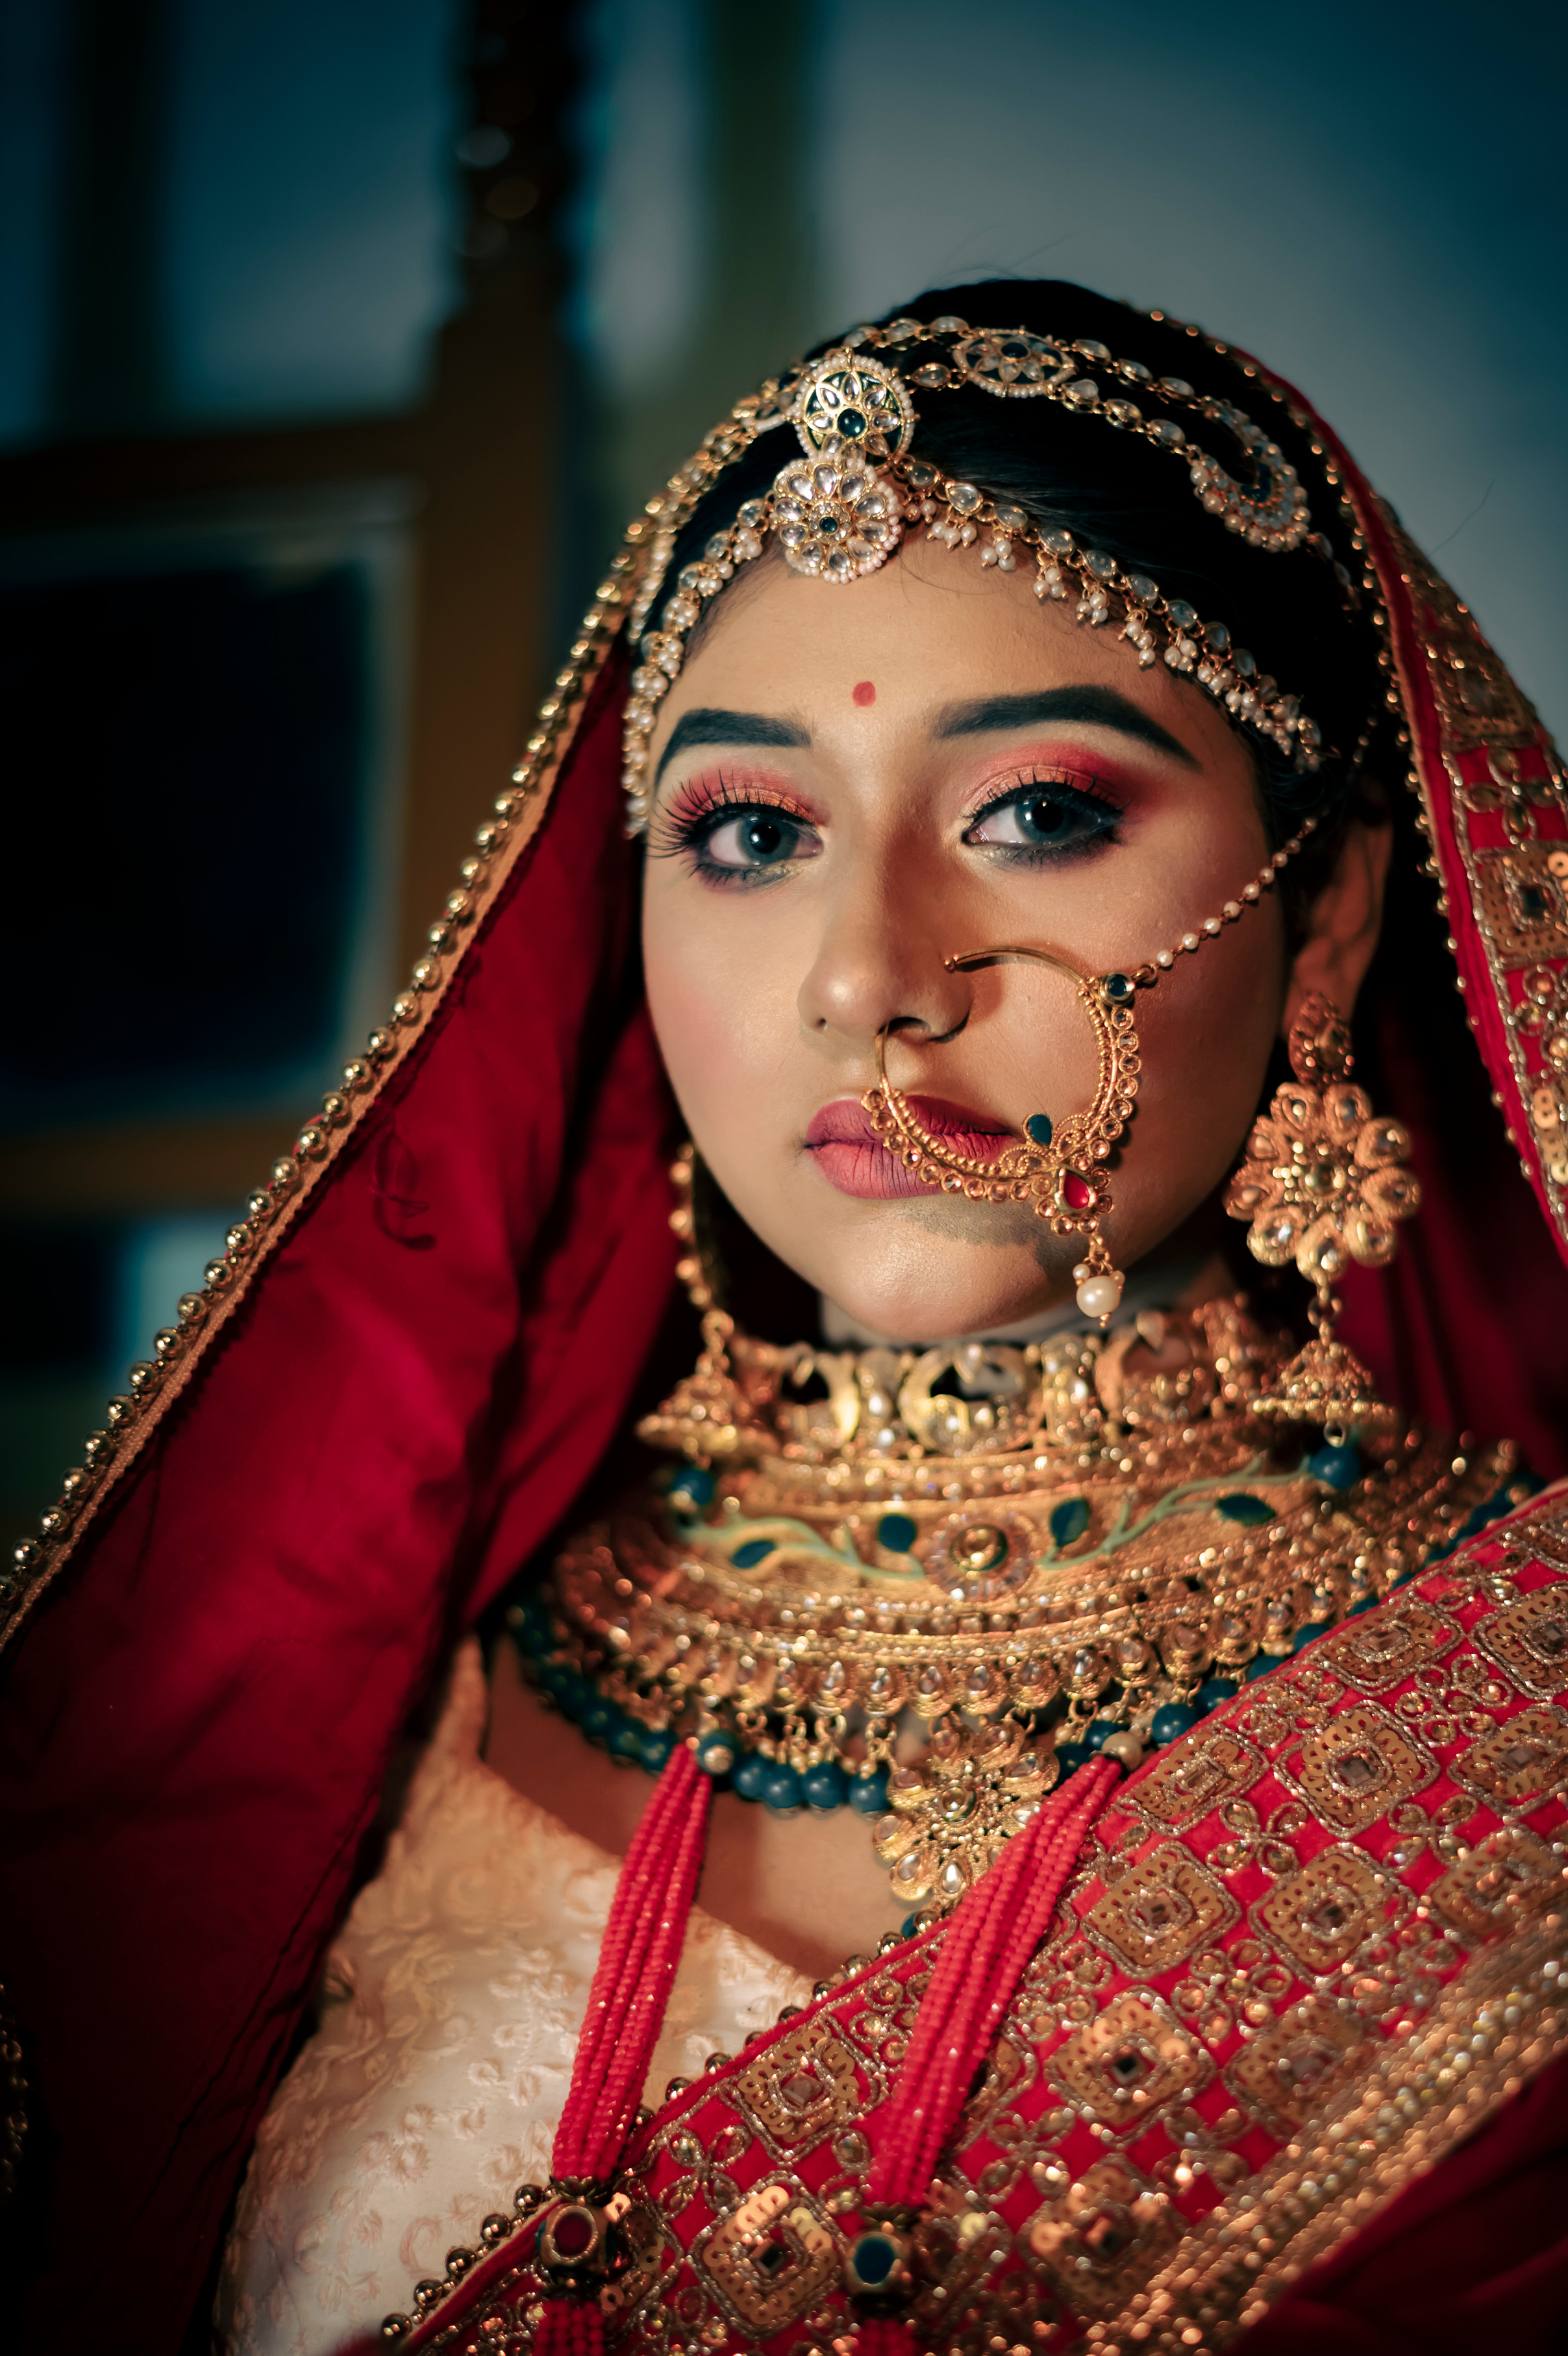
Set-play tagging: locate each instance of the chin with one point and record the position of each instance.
(934, 1303)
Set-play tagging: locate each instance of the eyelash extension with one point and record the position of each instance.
(1086, 793)
(1078, 785)
(698, 807)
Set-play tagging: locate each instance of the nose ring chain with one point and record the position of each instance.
(1059, 1167)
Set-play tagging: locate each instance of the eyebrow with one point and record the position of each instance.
(1100, 707)
(709, 725)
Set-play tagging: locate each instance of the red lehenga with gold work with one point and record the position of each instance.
(1290, 2057)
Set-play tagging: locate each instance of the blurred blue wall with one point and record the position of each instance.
(311, 203)
(1371, 198)
(298, 178)
(213, 214)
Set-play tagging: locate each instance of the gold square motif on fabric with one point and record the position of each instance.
(1199, 1772)
(1524, 902)
(802, 2087)
(1530, 1640)
(1161, 1911)
(1107, 2234)
(772, 2259)
(1359, 1765)
(1380, 1651)
(1506, 1881)
(1129, 2062)
(1522, 1764)
(1294, 2069)
(957, 2248)
(648, 2253)
(1320, 1916)
(1544, 1535)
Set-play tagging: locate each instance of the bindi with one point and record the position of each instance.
(866, 692)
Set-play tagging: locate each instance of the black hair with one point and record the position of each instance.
(1308, 614)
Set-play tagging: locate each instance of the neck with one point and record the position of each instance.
(1164, 1282)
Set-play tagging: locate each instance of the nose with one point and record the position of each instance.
(879, 965)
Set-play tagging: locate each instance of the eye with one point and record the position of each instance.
(1046, 817)
(723, 836)
(754, 840)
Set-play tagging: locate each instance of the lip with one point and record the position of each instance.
(853, 1158)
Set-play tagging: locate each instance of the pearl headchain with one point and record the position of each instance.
(840, 510)
(1014, 364)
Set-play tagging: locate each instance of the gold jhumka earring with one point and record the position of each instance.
(1324, 1183)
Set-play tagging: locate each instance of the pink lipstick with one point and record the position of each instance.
(851, 1157)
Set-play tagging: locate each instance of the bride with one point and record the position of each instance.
(1111, 1701)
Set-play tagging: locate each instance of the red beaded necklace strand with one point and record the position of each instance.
(637, 1966)
(982, 1958)
(983, 1955)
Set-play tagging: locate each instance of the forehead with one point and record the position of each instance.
(932, 630)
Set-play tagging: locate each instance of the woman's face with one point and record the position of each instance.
(858, 782)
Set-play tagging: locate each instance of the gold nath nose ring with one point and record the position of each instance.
(1058, 1166)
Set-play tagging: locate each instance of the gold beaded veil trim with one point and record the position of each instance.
(1494, 809)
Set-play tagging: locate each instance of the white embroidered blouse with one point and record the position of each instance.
(431, 2087)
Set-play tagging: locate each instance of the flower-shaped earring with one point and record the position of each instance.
(1324, 1183)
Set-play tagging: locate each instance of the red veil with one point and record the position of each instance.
(418, 1349)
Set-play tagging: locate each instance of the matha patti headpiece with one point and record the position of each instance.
(839, 509)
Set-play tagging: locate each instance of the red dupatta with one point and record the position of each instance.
(354, 1452)
(414, 1355)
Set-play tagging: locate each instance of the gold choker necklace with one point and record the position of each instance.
(953, 1568)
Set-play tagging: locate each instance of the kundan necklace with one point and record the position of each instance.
(929, 1583)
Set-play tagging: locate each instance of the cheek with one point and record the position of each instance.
(1206, 1038)
(715, 1016)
